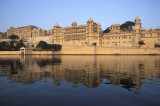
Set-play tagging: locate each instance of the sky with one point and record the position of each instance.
(45, 13)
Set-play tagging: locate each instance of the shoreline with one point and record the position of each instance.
(75, 50)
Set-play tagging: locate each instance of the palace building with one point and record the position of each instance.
(131, 38)
(26, 32)
(77, 34)
(90, 34)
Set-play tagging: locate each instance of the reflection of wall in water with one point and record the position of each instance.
(26, 69)
(90, 79)
(86, 70)
(128, 69)
(78, 69)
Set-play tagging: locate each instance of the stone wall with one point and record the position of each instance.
(104, 50)
(9, 52)
(92, 50)
(42, 52)
(35, 40)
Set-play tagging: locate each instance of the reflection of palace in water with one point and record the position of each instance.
(128, 71)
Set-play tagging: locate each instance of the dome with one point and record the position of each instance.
(74, 22)
(56, 25)
(90, 19)
(98, 23)
(137, 18)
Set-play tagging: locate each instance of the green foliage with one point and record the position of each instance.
(94, 44)
(106, 31)
(4, 46)
(20, 44)
(44, 46)
(141, 43)
(127, 25)
(13, 37)
(11, 46)
(157, 45)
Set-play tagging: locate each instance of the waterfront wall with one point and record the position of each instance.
(92, 50)
(105, 50)
(45, 52)
(10, 52)
(32, 52)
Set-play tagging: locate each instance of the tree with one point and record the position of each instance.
(13, 37)
(127, 25)
(106, 30)
(52, 47)
(4, 46)
(141, 43)
(157, 45)
(20, 44)
(94, 44)
(42, 45)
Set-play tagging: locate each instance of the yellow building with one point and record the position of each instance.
(89, 34)
(26, 32)
(119, 38)
(77, 35)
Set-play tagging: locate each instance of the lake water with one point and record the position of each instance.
(79, 80)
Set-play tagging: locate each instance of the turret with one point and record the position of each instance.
(90, 20)
(74, 23)
(138, 22)
(98, 27)
(56, 25)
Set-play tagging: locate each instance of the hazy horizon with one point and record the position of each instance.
(44, 14)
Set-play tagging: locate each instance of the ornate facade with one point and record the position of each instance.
(26, 32)
(77, 35)
(120, 38)
(89, 34)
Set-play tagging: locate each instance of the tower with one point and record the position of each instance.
(98, 27)
(56, 33)
(137, 34)
(90, 25)
(74, 23)
(138, 22)
(89, 29)
(56, 25)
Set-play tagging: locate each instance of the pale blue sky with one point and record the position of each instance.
(45, 13)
